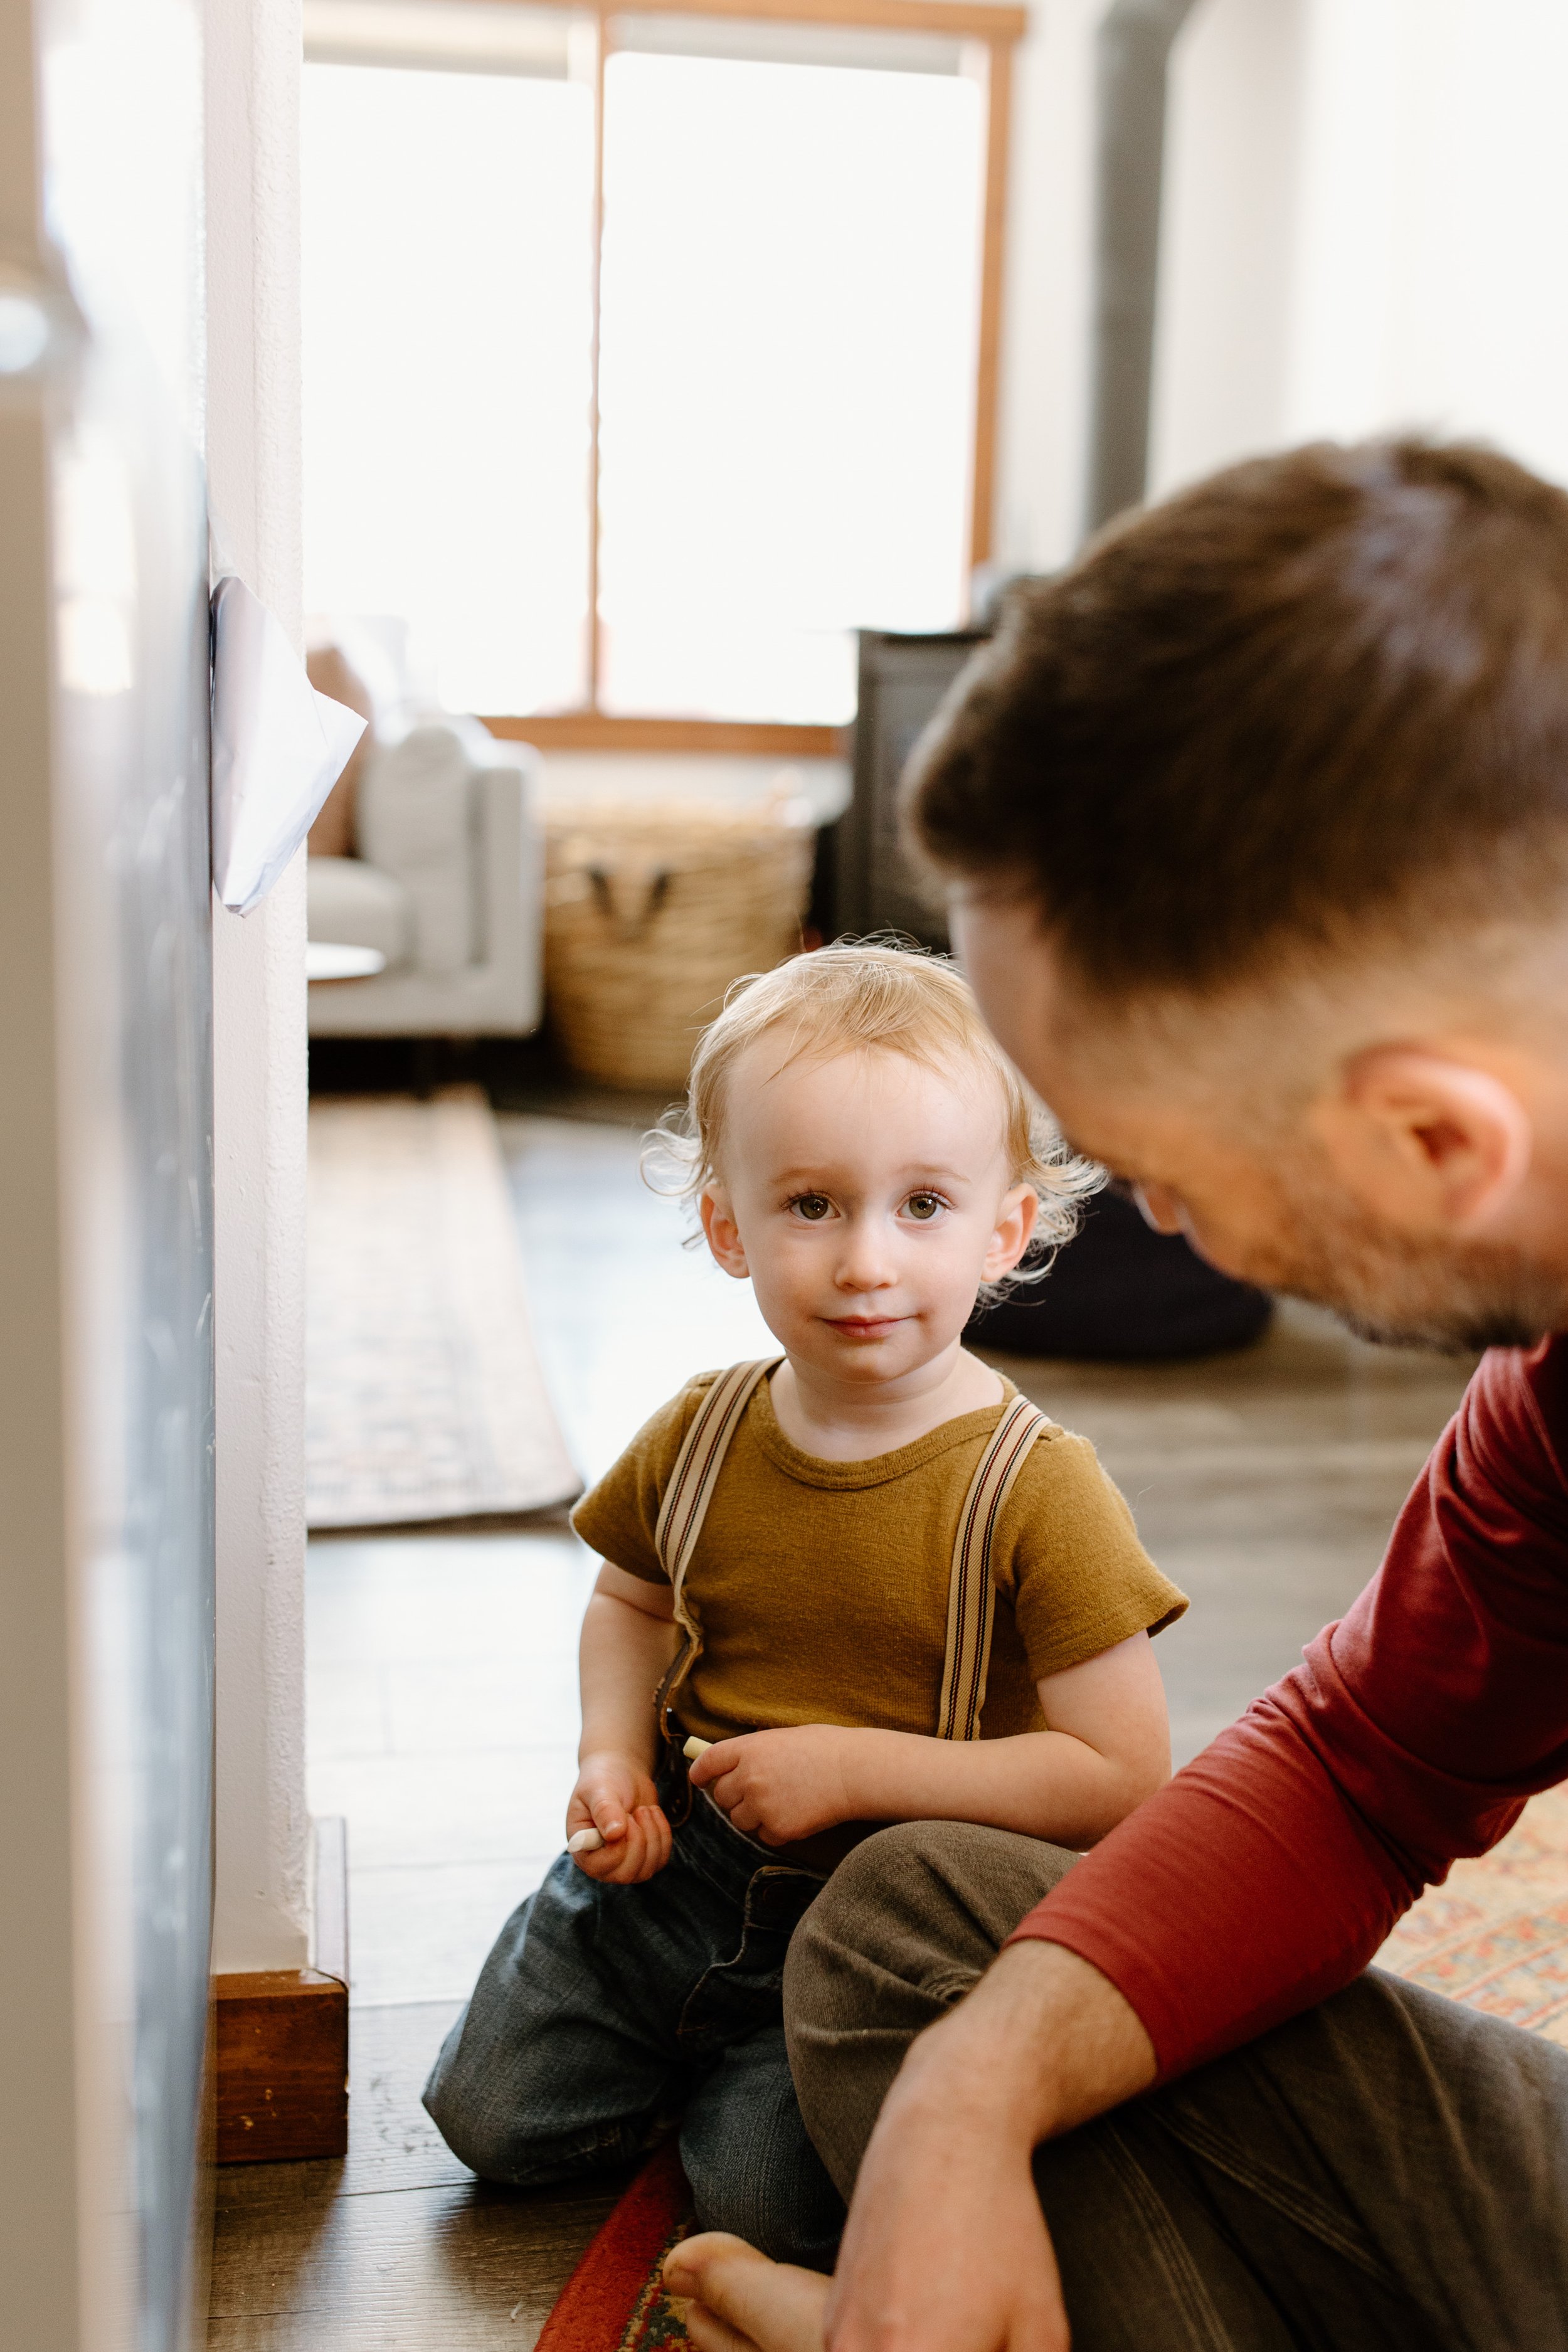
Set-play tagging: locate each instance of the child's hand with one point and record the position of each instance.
(779, 1786)
(614, 1795)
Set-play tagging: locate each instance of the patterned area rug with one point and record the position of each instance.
(612, 2302)
(425, 1399)
(1496, 1935)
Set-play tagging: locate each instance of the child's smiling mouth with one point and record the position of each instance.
(864, 1327)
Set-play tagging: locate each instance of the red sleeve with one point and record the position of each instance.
(1269, 1872)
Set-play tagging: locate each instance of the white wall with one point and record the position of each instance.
(1043, 437)
(1431, 286)
(1363, 228)
(253, 50)
(1223, 333)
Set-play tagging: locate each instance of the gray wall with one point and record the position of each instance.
(106, 1422)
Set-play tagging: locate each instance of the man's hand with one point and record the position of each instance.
(779, 1786)
(616, 1795)
(946, 2250)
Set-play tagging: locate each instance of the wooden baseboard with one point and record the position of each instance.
(281, 2041)
(203, 2199)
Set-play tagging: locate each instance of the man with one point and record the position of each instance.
(1256, 825)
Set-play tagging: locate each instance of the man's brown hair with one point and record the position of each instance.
(1318, 692)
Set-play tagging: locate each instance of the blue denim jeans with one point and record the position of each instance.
(606, 2016)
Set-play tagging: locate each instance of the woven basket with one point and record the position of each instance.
(650, 913)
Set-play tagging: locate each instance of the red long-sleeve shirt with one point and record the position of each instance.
(1269, 1872)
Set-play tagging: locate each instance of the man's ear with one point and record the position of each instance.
(723, 1234)
(1016, 1222)
(1429, 1144)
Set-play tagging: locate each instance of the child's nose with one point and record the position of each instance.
(866, 1262)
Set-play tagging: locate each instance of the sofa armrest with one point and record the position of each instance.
(511, 859)
(501, 993)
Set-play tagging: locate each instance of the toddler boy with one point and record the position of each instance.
(878, 1582)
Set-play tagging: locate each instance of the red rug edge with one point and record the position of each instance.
(595, 2305)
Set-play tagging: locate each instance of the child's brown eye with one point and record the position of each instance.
(813, 1206)
(923, 1206)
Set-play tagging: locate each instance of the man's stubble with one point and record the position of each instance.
(1402, 1290)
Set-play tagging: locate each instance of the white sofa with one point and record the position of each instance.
(449, 887)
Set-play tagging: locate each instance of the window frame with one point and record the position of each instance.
(992, 29)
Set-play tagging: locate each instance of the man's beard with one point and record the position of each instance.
(1401, 1292)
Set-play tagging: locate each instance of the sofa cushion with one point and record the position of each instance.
(357, 906)
(416, 823)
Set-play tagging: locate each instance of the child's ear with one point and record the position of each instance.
(723, 1234)
(1016, 1222)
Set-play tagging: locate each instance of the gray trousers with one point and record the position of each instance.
(1388, 2171)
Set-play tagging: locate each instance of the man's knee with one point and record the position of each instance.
(906, 1925)
(913, 1916)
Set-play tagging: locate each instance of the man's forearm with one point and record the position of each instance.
(1043, 2042)
(946, 2248)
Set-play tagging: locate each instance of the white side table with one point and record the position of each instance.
(326, 960)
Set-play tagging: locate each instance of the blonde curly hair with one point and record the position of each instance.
(874, 995)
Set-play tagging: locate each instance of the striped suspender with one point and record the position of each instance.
(971, 1594)
(685, 1504)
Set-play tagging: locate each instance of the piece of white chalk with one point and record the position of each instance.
(695, 1748)
(584, 1842)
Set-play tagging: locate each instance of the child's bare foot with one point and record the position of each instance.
(740, 2301)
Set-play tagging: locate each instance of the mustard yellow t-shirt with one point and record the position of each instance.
(821, 1586)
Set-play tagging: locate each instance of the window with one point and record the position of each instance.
(447, 331)
(648, 356)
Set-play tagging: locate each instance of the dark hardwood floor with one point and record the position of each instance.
(443, 1711)
(397, 2248)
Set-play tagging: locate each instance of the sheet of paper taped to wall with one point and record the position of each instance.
(278, 747)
